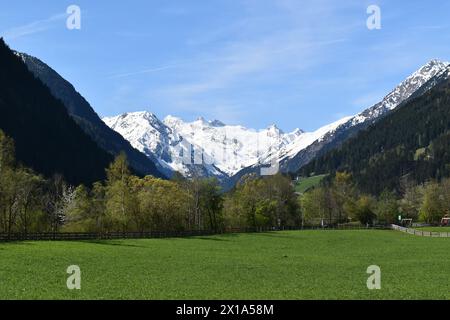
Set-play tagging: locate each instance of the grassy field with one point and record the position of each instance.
(307, 183)
(434, 229)
(280, 265)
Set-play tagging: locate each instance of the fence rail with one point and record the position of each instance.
(420, 232)
(79, 236)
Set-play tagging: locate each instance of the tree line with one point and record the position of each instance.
(413, 140)
(124, 202)
(341, 201)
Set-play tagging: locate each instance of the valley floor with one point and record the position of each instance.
(435, 229)
(278, 265)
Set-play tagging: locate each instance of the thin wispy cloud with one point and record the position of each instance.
(250, 61)
(273, 57)
(175, 65)
(33, 27)
(246, 59)
(263, 58)
(140, 72)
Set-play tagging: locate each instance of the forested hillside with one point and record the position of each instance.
(46, 138)
(85, 116)
(411, 143)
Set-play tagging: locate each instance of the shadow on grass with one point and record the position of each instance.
(220, 237)
(272, 234)
(16, 243)
(114, 243)
(4, 245)
(211, 239)
(124, 242)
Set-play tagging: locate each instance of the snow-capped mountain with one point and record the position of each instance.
(223, 150)
(212, 148)
(404, 90)
(425, 78)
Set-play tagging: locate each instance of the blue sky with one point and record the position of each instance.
(252, 62)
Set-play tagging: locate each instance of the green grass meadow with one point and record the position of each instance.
(434, 229)
(304, 184)
(278, 265)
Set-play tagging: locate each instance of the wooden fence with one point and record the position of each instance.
(67, 236)
(420, 232)
(79, 236)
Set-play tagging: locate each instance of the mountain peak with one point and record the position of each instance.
(202, 121)
(171, 118)
(234, 148)
(298, 132)
(217, 123)
(274, 128)
(146, 115)
(172, 121)
(438, 62)
(431, 68)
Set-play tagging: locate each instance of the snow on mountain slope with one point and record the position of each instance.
(309, 138)
(144, 131)
(425, 78)
(224, 150)
(232, 147)
(149, 135)
(404, 90)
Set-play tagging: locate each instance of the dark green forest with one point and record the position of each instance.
(412, 144)
(46, 138)
(88, 120)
